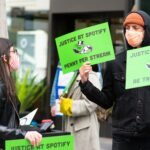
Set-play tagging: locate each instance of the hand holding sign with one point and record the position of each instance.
(34, 137)
(84, 71)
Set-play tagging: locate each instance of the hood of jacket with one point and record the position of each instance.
(146, 40)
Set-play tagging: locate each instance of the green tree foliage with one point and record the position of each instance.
(28, 90)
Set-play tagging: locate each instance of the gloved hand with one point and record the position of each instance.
(66, 106)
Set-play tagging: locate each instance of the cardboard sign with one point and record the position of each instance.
(91, 44)
(63, 142)
(138, 68)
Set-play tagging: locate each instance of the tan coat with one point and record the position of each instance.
(84, 124)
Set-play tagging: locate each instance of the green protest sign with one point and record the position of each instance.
(91, 44)
(65, 142)
(138, 68)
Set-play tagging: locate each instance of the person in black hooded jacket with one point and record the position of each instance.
(131, 107)
(9, 103)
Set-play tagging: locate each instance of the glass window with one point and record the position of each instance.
(28, 29)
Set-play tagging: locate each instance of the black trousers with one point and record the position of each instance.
(124, 143)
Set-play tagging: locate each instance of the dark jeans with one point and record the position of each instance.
(123, 143)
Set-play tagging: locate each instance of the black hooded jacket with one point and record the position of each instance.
(131, 107)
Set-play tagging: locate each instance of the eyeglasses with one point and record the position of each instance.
(14, 51)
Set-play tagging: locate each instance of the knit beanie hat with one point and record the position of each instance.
(134, 18)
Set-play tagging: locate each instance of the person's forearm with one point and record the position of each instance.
(8, 133)
(95, 95)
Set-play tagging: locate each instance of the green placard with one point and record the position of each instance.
(138, 68)
(63, 142)
(91, 44)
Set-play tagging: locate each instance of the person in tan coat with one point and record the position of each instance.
(80, 115)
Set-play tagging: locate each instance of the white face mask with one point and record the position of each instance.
(134, 38)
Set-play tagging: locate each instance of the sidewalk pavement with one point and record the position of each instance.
(106, 143)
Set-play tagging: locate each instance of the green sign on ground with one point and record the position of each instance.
(91, 44)
(63, 142)
(138, 68)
